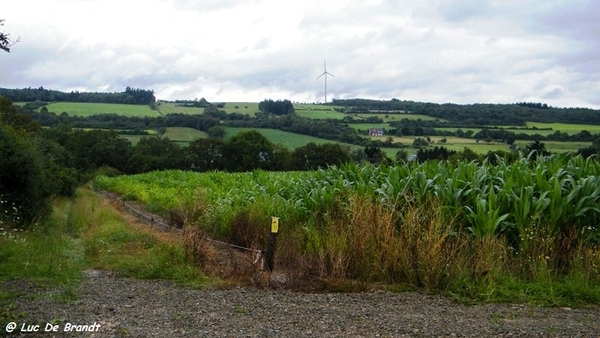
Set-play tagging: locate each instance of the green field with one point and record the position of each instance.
(248, 108)
(87, 109)
(313, 111)
(459, 143)
(172, 108)
(288, 140)
(367, 126)
(395, 117)
(180, 135)
(542, 128)
(566, 128)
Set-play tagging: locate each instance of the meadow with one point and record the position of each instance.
(481, 147)
(565, 127)
(179, 135)
(287, 139)
(183, 134)
(87, 109)
(520, 231)
(544, 129)
(247, 108)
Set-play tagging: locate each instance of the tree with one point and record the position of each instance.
(155, 153)
(401, 156)
(248, 151)
(276, 107)
(5, 42)
(31, 171)
(377, 156)
(96, 148)
(313, 156)
(205, 154)
(536, 149)
(216, 132)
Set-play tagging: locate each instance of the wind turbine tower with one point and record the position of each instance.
(325, 72)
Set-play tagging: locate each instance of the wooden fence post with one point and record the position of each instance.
(270, 253)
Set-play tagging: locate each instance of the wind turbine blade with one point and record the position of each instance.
(322, 75)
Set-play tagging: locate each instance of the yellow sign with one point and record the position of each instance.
(274, 224)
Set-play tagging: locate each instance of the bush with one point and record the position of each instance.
(22, 183)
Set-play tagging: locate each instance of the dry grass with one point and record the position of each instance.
(370, 242)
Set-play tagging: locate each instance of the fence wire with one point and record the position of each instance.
(158, 222)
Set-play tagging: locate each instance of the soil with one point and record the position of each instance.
(125, 307)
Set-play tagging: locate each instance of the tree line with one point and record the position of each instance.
(478, 114)
(129, 96)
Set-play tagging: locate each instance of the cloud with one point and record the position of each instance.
(462, 51)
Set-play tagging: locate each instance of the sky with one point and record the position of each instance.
(441, 51)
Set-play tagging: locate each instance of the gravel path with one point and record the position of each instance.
(127, 307)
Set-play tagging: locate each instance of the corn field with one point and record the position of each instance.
(547, 210)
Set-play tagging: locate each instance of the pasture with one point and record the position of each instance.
(87, 109)
(246, 108)
(180, 135)
(566, 128)
(542, 128)
(173, 108)
(394, 117)
(313, 111)
(287, 139)
(367, 126)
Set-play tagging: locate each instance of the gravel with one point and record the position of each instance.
(125, 307)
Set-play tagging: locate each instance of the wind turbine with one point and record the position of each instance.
(325, 72)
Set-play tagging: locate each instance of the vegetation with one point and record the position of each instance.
(464, 228)
(82, 233)
(278, 107)
(82, 109)
(507, 225)
(129, 96)
(5, 41)
(479, 114)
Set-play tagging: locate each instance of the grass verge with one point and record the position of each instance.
(81, 233)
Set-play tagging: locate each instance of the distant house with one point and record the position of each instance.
(376, 132)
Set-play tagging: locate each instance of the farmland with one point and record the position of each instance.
(288, 140)
(182, 134)
(475, 226)
(179, 135)
(87, 109)
(434, 225)
(315, 112)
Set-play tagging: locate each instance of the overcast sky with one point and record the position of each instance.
(463, 51)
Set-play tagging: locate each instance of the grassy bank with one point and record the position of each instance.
(82, 233)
